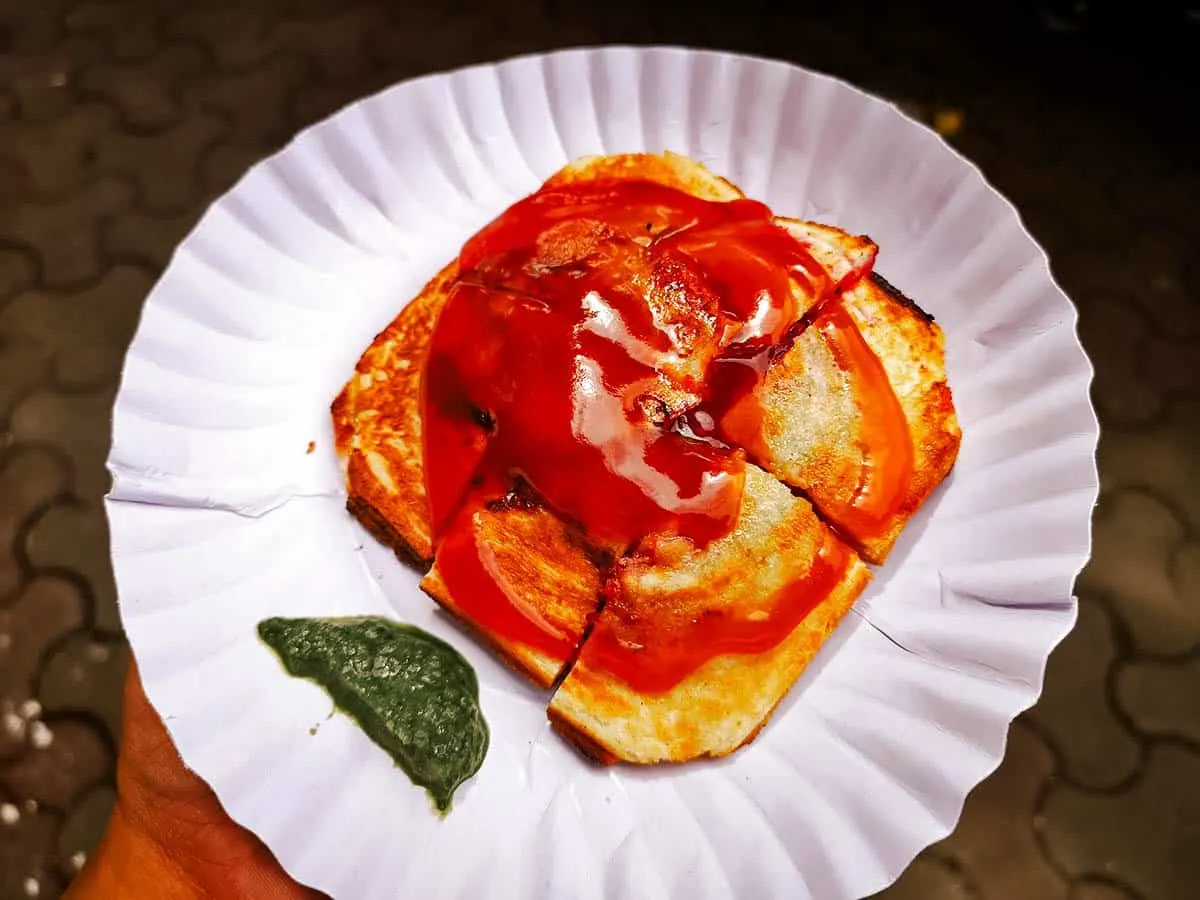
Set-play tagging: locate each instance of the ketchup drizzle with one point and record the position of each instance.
(596, 340)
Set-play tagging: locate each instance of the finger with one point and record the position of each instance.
(169, 836)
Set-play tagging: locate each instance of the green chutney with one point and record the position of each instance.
(413, 694)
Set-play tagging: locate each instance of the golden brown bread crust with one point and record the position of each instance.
(723, 704)
(912, 349)
(377, 416)
(377, 426)
(384, 531)
(668, 169)
(838, 251)
(549, 568)
(811, 426)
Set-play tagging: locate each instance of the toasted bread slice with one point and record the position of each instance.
(819, 436)
(667, 597)
(843, 255)
(550, 576)
(668, 169)
(550, 585)
(377, 426)
(912, 348)
(377, 416)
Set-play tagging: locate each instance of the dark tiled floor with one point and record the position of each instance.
(121, 120)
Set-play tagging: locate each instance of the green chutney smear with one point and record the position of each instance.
(413, 694)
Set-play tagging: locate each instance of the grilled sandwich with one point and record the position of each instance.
(550, 582)
(857, 414)
(765, 597)
(674, 646)
(377, 427)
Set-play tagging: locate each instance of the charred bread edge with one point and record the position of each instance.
(900, 297)
(383, 531)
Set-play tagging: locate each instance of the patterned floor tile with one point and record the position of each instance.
(28, 862)
(65, 233)
(1161, 698)
(76, 425)
(1163, 458)
(121, 119)
(1094, 747)
(145, 93)
(1135, 537)
(130, 31)
(931, 878)
(1145, 836)
(73, 538)
(43, 614)
(58, 158)
(24, 364)
(994, 842)
(85, 331)
(84, 675)
(29, 481)
(83, 828)
(64, 759)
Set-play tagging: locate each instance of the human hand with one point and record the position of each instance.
(169, 838)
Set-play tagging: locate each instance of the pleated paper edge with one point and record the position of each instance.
(896, 866)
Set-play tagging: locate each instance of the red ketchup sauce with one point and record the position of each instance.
(478, 585)
(886, 436)
(654, 650)
(597, 337)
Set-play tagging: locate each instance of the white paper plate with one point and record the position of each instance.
(220, 518)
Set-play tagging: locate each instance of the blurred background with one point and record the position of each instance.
(120, 120)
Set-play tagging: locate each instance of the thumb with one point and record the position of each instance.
(169, 837)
